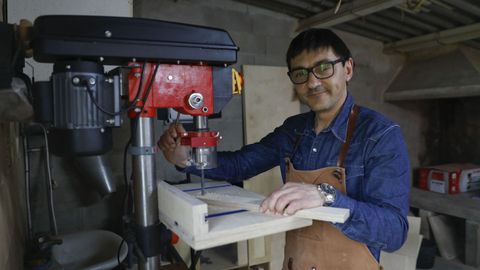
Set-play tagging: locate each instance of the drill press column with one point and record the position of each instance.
(145, 188)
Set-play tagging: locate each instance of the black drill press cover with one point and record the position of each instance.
(119, 39)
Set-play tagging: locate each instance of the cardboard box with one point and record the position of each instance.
(450, 178)
(422, 182)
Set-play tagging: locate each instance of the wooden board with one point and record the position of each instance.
(338, 215)
(193, 220)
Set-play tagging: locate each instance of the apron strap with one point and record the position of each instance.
(352, 119)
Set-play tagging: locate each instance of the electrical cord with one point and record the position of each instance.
(92, 98)
(129, 107)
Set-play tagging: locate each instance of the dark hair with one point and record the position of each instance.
(316, 38)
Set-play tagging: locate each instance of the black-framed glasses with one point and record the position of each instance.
(323, 70)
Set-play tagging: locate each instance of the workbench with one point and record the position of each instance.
(462, 205)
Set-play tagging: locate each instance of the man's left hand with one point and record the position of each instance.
(292, 197)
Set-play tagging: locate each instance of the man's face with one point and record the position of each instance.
(322, 95)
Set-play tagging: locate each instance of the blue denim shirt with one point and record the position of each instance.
(376, 164)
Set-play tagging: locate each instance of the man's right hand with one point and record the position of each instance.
(169, 143)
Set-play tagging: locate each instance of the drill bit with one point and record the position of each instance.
(202, 184)
(177, 120)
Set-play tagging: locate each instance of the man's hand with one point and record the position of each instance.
(292, 197)
(169, 143)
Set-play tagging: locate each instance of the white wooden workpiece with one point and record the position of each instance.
(186, 215)
(318, 213)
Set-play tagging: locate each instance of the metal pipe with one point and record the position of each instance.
(26, 161)
(144, 180)
(201, 123)
(97, 173)
(51, 209)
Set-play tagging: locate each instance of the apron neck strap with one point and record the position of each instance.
(352, 119)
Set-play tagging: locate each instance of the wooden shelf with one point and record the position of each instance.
(434, 93)
(463, 205)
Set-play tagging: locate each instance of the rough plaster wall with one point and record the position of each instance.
(453, 132)
(373, 73)
(12, 200)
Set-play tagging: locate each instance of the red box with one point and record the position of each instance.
(450, 178)
(423, 178)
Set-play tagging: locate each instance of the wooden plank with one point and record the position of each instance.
(259, 250)
(434, 93)
(331, 214)
(181, 212)
(445, 232)
(347, 12)
(472, 243)
(185, 214)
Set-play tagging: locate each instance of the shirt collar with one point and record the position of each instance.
(339, 125)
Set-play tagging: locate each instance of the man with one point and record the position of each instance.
(338, 154)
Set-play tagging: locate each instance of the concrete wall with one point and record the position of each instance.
(373, 73)
(453, 131)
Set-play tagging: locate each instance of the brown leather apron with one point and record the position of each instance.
(322, 245)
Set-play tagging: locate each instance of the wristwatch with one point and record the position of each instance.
(328, 192)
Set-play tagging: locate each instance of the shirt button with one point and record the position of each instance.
(314, 150)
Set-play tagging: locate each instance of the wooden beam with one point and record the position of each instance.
(434, 93)
(445, 37)
(347, 13)
(276, 6)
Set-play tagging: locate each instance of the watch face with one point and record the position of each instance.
(329, 192)
(328, 188)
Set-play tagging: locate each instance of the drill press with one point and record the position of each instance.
(184, 67)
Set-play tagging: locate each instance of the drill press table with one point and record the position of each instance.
(202, 226)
